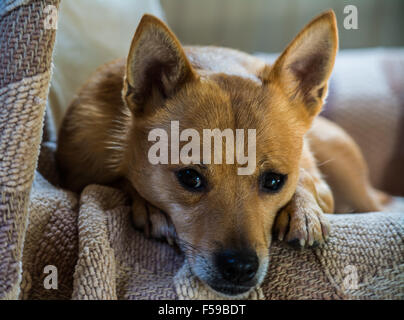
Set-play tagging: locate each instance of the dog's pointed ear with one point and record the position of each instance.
(156, 65)
(304, 67)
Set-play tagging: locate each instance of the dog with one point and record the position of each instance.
(223, 222)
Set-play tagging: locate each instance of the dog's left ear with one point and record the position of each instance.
(303, 69)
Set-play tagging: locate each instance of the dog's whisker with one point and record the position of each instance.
(325, 162)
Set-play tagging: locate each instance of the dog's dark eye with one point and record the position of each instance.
(190, 179)
(272, 181)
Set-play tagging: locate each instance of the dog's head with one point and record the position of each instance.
(223, 219)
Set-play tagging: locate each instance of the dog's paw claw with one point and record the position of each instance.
(302, 226)
(315, 244)
(296, 243)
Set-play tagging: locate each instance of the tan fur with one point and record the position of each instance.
(104, 140)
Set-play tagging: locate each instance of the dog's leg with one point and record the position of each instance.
(341, 162)
(302, 221)
(146, 217)
(152, 221)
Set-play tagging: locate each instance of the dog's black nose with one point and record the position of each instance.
(237, 266)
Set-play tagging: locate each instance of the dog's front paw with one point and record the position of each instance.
(302, 222)
(153, 221)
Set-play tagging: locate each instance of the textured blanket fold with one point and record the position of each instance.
(92, 235)
(25, 56)
(89, 237)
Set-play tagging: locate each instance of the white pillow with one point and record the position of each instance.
(89, 34)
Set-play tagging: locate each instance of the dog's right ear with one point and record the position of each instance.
(156, 65)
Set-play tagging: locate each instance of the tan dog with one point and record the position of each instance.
(222, 221)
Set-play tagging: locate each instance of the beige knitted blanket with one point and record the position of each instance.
(88, 238)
